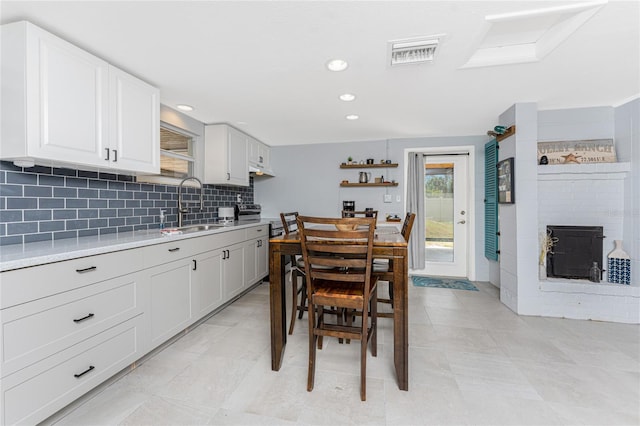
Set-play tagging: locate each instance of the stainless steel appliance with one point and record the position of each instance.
(226, 215)
(244, 213)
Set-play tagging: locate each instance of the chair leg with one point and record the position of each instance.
(320, 323)
(374, 322)
(311, 313)
(303, 296)
(363, 359)
(391, 292)
(294, 299)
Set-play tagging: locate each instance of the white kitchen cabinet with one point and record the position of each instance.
(256, 255)
(206, 282)
(233, 282)
(64, 106)
(34, 393)
(134, 122)
(225, 156)
(66, 327)
(259, 154)
(170, 293)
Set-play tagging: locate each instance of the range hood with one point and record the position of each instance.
(258, 171)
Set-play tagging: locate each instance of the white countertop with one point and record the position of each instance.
(18, 256)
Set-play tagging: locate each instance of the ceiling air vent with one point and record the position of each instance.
(413, 51)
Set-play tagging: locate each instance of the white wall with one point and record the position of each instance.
(518, 222)
(308, 180)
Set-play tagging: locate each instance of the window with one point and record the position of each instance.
(176, 153)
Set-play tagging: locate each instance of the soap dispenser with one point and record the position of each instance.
(162, 219)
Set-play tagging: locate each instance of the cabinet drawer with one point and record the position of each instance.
(159, 254)
(258, 232)
(27, 284)
(36, 330)
(35, 393)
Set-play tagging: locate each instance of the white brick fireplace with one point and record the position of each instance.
(586, 195)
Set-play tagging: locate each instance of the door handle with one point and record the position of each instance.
(462, 221)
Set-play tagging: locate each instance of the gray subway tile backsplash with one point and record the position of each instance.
(48, 203)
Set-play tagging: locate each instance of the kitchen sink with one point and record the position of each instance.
(200, 227)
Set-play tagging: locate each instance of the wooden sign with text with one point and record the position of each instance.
(578, 152)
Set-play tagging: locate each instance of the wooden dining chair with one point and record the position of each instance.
(383, 268)
(338, 254)
(298, 306)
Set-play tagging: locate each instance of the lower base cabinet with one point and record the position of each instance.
(98, 324)
(206, 282)
(34, 393)
(233, 271)
(170, 300)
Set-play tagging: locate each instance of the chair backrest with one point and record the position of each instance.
(360, 213)
(333, 252)
(289, 222)
(408, 225)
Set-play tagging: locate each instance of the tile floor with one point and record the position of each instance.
(472, 361)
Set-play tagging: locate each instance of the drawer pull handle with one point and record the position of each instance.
(77, 376)
(83, 318)
(174, 249)
(89, 269)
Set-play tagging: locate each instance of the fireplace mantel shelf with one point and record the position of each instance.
(561, 285)
(584, 171)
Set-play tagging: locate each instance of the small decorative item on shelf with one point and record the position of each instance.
(370, 160)
(501, 130)
(544, 160)
(546, 245)
(349, 160)
(619, 265)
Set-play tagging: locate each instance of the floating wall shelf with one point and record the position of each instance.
(368, 166)
(369, 184)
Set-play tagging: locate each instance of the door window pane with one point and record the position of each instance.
(438, 193)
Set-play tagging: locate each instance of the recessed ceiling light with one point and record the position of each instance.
(347, 97)
(337, 65)
(183, 107)
(352, 117)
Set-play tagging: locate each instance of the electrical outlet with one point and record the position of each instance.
(398, 199)
(387, 198)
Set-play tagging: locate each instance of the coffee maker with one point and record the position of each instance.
(348, 206)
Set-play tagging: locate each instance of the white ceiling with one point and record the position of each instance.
(260, 65)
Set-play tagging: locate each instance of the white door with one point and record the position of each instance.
(446, 215)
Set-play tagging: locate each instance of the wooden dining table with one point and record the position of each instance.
(387, 245)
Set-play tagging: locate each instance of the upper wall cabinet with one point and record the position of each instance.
(225, 155)
(259, 154)
(62, 105)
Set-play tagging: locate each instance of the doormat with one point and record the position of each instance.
(438, 282)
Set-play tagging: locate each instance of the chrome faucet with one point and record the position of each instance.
(182, 209)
